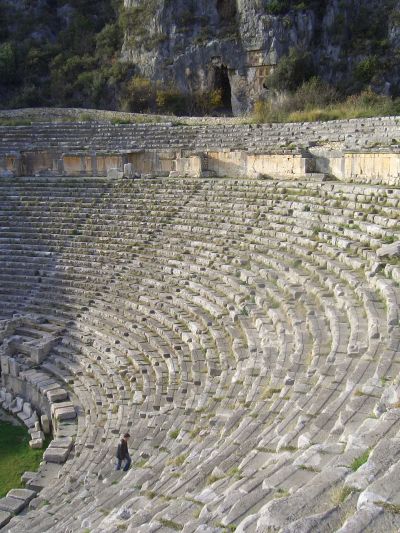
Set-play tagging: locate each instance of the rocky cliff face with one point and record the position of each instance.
(70, 52)
(233, 45)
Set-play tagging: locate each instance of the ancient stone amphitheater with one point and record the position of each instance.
(235, 308)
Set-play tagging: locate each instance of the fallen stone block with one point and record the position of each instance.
(56, 455)
(12, 505)
(36, 444)
(32, 421)
(45, 423)
(22, 494)
(36, 434)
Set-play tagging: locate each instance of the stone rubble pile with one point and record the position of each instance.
(246, 333)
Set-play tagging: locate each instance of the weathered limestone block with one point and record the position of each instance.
(391, 396)
(25, 495)
(188, 166)
(128, 170)
(36, 444)
(5, 365)
(27, 476)
(17, 405)
(56, 455)
(388, 251)
(39, 352)
(115, 173)
(12, 505)
(36, 434)
(57, 395)
(28, 409)
(5, 517)
(62, 442)
(63, 411)
(45, 423)
(32, 420)
(13, 367)
(58, 450)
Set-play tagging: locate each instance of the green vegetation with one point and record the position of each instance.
(177, 461)
(78, 65)
(280, 7)
(281, 493)
(316, 101)
(390, 507)
(293, 69)
(15, 456)
(174, 433)
(359, 461)
(171, 524)
(339, 495)
(140, 94)
(213, 479)
(269, 392)
(67, 53)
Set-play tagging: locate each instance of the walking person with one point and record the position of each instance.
(123, 453)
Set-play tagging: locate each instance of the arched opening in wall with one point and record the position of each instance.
(222, 84)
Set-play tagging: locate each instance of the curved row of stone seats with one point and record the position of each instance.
(103, 136)
(236, 330)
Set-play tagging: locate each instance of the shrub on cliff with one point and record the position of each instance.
(138, 95)
(291, 71)
(8, 63)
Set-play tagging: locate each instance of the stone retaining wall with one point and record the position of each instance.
(361, 167)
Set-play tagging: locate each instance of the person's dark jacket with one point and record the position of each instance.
(122, 450)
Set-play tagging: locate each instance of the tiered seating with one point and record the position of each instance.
(245, 333)
(97, 136)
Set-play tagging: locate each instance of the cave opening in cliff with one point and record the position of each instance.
(222, 83)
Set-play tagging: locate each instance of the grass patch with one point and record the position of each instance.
(359, 461)
(174, 433)
(15, 456)
(281, 493)
(212, 479)
(268, 393)
(314, 102)
(15, 122)
(339, 495)
(150, 494)
(177, 461)
(309, 468)
(171, 524)
(391, 507)
(235, 472)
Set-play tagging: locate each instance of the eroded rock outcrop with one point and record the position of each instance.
(233, 46)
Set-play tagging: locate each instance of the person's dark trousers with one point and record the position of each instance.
(128, 463)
